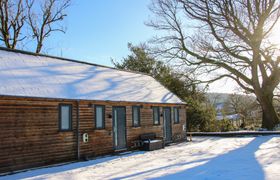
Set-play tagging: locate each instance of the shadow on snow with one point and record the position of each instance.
(239, 164)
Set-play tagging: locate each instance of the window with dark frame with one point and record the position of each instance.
(65, 117)
(156, 116)
(99, 116)
(135, 116)
(176, 115)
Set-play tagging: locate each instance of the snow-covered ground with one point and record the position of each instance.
(204, 158)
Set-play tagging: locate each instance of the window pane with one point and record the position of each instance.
(99, 116)
(156, 115)
(176, 115)
(135, 116)
(65, 117)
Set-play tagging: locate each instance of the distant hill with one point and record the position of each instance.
(217, 98)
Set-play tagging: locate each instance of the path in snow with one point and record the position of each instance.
(204, 158)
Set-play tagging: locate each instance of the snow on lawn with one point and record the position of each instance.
(204, 158)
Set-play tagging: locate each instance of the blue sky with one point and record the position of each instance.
(100, 30)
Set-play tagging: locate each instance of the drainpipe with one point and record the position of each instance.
(78, 129)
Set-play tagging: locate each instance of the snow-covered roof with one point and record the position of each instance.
(29, 75)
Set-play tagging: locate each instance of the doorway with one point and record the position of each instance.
(119, 127)
(167, 124)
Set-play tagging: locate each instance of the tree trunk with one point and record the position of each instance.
(39, 47)
(269, 115)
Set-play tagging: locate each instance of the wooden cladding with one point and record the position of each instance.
(31, 136)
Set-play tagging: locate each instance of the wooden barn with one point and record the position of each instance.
(55, 110)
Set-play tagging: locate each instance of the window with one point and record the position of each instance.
(156, 116)
(135, 116)
(176, 115)
(99, 117)
(65, 117)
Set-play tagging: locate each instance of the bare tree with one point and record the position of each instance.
(231, 40)
(241, 104)
(12, 18)
(20, 17)
(47, 21)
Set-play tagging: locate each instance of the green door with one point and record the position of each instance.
(119, 127)
(167, 124)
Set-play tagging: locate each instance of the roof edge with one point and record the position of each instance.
(67, 99)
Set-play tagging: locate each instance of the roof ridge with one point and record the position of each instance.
(68, 59)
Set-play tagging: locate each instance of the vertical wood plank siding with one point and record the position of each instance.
(30, 136)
